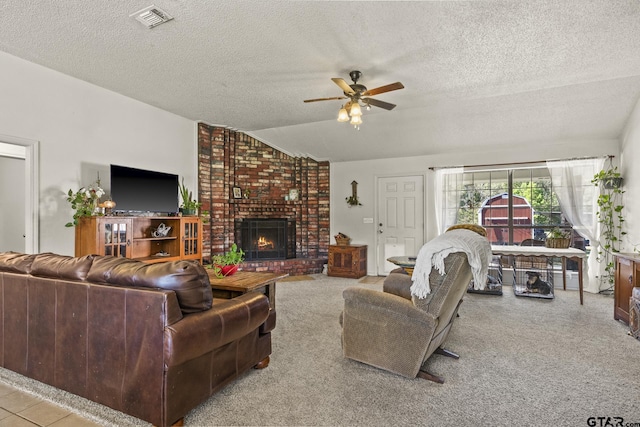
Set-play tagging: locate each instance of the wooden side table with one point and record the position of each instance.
(407, 263)
(243, 282)
(347, 261)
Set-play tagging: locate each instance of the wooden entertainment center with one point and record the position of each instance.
(133, 237)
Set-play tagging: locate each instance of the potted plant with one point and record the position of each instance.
(557, 238)
(609, 216)
(84, 202)
(353, 201)
(226, 264)
(189, 205)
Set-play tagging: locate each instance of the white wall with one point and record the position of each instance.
(349, 220)
(81, 130)
(629, 168)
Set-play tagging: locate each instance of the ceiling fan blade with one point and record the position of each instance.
(378, 103)
(325, 99)
(343, 85)
(383, 89)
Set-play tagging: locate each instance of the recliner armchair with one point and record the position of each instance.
(392, 332)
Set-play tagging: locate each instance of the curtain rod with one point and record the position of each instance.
(433, 168)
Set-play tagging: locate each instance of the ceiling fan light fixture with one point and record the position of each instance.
(343, 116)
(355, 94)
(355, 109)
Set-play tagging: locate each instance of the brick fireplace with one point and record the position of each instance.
(264, 176)
(266, 238)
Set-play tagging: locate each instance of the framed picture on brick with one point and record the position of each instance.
(293, 194)
(237, 193)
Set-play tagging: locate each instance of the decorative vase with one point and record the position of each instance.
(228, 270)
(188, 212)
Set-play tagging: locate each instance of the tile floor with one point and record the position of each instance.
(19, 409)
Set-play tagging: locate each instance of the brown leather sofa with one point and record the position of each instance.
(145, 339)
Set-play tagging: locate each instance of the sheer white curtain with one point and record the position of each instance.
(447, 197)
(578, 199)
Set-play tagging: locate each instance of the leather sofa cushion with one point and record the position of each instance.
(187, 279)
(14, 262)
(61, 266)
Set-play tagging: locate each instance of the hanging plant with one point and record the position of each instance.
(610, 217)
(353, 201)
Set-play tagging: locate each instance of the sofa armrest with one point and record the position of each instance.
(385, 330)
(398, 283)
(200, 333)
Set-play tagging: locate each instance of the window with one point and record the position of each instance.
(512, 204)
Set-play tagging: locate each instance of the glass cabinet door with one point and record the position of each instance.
(190, 237)
(117, 238)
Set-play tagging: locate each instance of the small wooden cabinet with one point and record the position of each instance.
(132, 237)
(347, 261)
(627, 277)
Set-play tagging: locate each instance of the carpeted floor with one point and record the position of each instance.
(523, 362)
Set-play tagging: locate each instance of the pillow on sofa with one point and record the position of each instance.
(187, 279)
(473, 227)
(15, 262)
(61, 266)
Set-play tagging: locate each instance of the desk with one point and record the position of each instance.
(541, 251)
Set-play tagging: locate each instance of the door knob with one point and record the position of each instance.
(380, 231)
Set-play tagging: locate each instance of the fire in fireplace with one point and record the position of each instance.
(263, 239)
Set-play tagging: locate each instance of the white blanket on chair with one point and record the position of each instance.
(433, 253)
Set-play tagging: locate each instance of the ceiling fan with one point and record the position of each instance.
(358, 94)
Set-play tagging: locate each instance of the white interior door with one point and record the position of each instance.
(400, 218)
(12, 204)
(27, 150)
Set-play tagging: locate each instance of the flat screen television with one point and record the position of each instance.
(137, 190)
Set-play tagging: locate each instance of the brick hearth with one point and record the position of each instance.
(229, 159)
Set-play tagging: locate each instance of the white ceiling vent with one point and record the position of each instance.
(151, 16)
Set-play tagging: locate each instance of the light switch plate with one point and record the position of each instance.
(367, 220)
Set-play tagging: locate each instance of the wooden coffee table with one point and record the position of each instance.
(243, 282)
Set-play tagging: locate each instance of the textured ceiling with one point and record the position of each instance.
(475, 73)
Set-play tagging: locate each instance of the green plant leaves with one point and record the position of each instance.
(609, 216)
